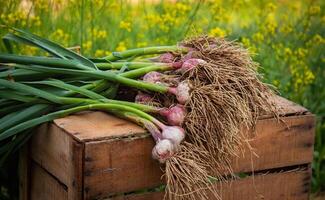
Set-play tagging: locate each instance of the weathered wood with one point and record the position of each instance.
(45, 186)
(119, 165)
(90, 126)
(278, 144)
(95, 155)
(110, 164)
(50, 149)
(286, 107)
(294, 185)
(60, 155)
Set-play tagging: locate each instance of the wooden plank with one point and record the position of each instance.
(119, 165)
(122, 165)
(90, 126)
(294, 185)
(44, 186)
(87, 126)
(50, 148)
(286, 107)
(278, 144)
(75, 183)
(59, 154)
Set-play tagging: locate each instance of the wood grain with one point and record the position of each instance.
(123, 165)
(93, 155)
(278, 144)
(50, 149)
(44, 186)
(60, 155)
(119, 166)
(294, 185)
(91, 126)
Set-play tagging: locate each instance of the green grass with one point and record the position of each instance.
(286, 37)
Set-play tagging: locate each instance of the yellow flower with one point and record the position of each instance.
(121, 46)
(246, 42)
(102, 34)
(153, 19)
(99, 53)
(99, 34)
(125, 25)
(314, 10)
(87, 45)
(217, 32)
(287, 52)
(258, 37)
(271, 24)
(182, 8)
(309, 77)
(301, 53)
(36, 20)
(318, 39)
(60, 36)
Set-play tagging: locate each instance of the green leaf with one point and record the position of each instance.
(54, 48)
(29, 90)
(41, 60)
(22, 115)
(23, 74)
(79, 90)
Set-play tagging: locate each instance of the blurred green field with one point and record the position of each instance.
(286, 37)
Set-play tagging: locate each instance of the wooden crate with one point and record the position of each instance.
(93, 155)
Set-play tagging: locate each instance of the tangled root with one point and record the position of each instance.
(227, 95)
(186, 175)
(214, 122)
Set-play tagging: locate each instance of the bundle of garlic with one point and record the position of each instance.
(203, 91)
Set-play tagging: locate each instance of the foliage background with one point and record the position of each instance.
(286, 37)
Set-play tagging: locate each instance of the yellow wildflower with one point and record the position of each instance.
(301, 53)
(217, 32)
(125, 25)
(182, 8)
(271, 24)
(87, 46)
(60, 36)
(246, 42)
(99, 53)
(258, 37)
(121, 46)
(99, 34)
(309, 77)
(318, 39)
(287, 53)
